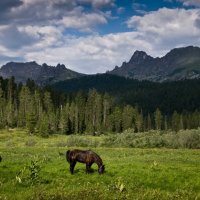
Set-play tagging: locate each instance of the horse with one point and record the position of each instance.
(88, 157)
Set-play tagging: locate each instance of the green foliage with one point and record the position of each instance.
(29, 174)
(34, 169)
(78, 141)
(155, 139)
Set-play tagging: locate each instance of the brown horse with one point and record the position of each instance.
(87, 157)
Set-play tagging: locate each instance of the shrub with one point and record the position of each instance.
(155, 139)
(31, 142)
(81, 141)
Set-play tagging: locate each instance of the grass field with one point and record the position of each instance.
(32, 168)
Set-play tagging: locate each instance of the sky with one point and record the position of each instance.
(93, 36)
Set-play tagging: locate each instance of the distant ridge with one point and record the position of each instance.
(178, 64)
(41, 74)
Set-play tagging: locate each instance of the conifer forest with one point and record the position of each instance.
(46, 111)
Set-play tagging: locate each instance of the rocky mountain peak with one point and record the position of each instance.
(60, 66)
(138, 57)
(41, 74)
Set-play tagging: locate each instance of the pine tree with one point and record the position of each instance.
(64, 124)
(31, 122)
(117, 114)
(44, 126)
(80, 101)
(26, 106)
(149, 122)
(107, 107)
(158, 119)
(139, 121)
(175, 121)
(2, 108)
(127, 117)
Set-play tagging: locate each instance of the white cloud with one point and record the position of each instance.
(190, 2)
(99, 3)
(82, 21)
(167, 28)
(71, 13)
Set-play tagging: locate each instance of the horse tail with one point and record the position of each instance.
(67, 155)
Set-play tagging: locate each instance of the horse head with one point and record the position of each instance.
(101, 169)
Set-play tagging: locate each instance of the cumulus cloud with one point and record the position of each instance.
(45, 12)
(83, 21)
(168, 27)
(190, 2)
(99, 3)
(139, 8)
(12, 37)
(5, 5)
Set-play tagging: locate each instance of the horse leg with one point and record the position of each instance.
(72, 165)
(88, 167)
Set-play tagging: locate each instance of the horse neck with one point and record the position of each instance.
(98, 161)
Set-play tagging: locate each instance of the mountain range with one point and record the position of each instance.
(178, 64)
(41, 74)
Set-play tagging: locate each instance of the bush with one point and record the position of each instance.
(81, 141)
(30, 143)
(155, 139)
(189, 139)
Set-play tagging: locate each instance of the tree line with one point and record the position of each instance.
(45, 111)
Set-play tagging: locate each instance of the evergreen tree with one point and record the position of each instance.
(139, 121)
(127, 117)
(80, 101)
(149, 122)
(31, 122)
(26, 106)
(2, 108)
(175, 121)
(64, 124)
(158, 119)
(107, 107)
(117, 114)
(44, 126)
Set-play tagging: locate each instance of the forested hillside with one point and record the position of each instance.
(46, 111)
(181, 95)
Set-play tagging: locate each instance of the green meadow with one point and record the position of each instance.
(35, 168)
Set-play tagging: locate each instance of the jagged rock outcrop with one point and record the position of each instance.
(179, 63)
(42, 75)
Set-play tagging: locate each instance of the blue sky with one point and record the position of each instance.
(93, 36)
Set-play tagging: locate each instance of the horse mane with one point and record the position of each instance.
(97, 158)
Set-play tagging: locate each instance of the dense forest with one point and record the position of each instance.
(182, 95)
(46, 111)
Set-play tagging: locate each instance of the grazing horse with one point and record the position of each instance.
(87, 157)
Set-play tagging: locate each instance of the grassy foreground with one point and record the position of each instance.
(33, 168)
